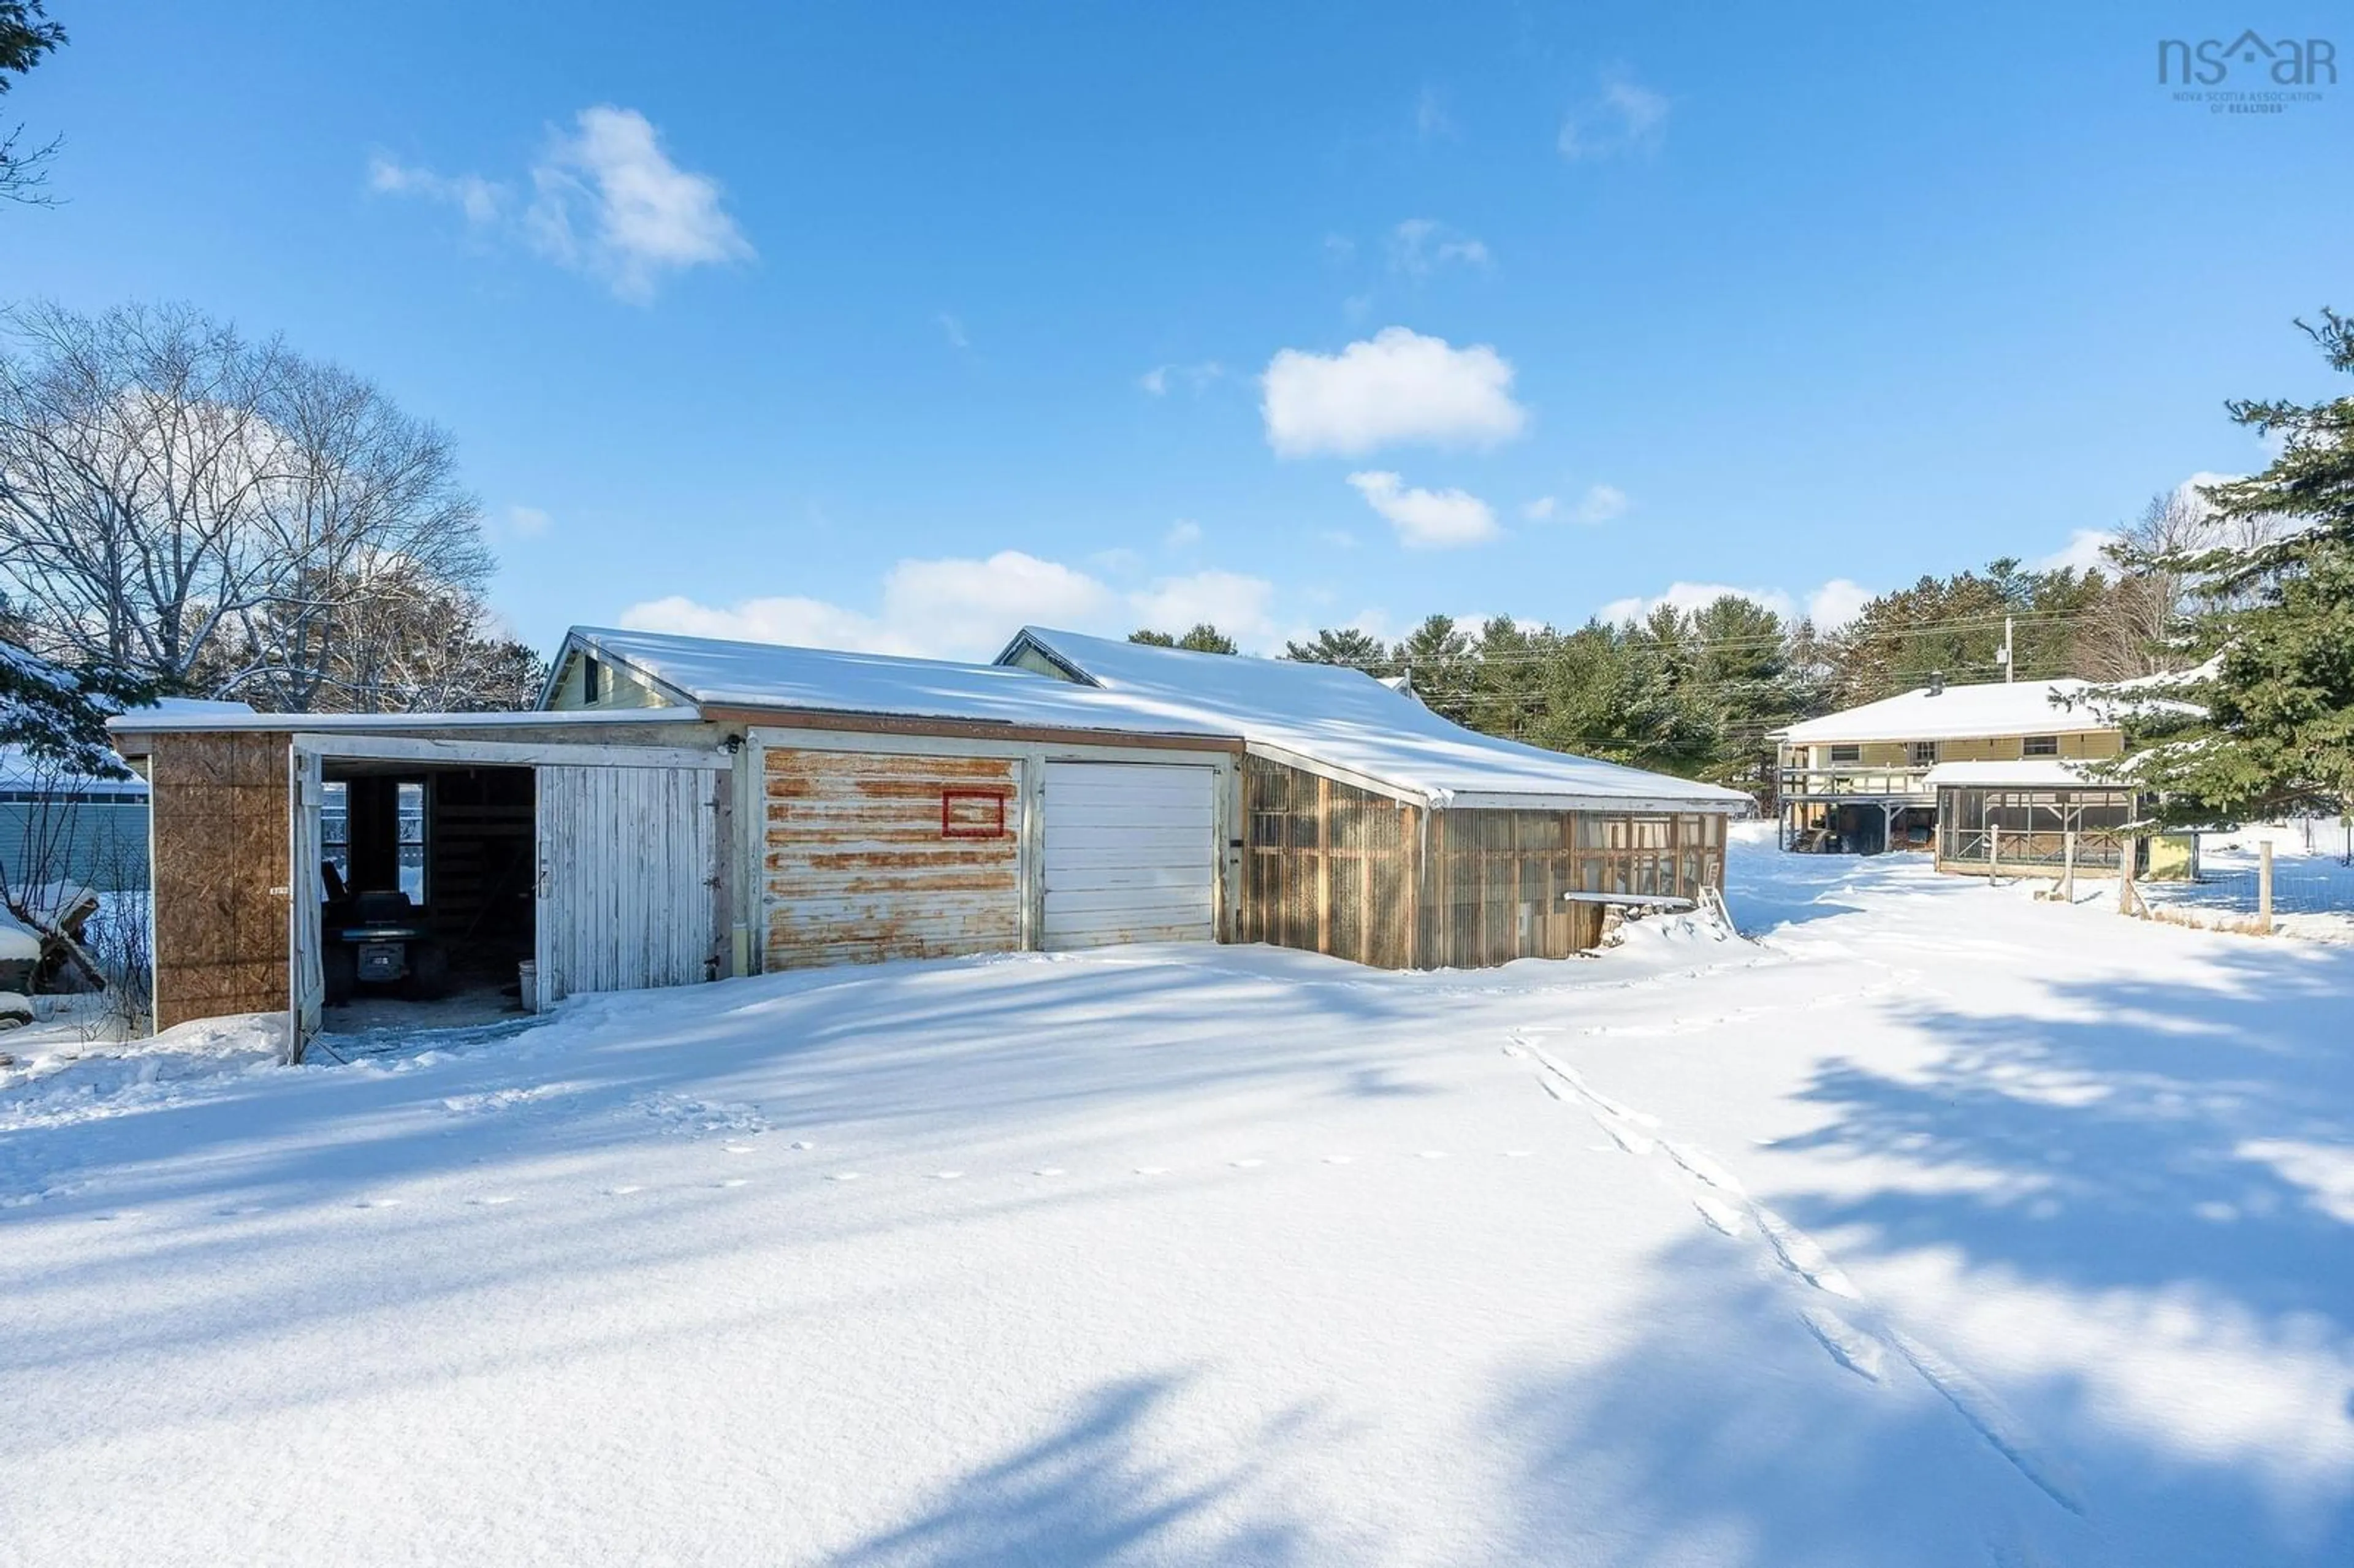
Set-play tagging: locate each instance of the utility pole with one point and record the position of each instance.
(2009, 669)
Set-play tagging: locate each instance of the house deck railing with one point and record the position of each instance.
(1828, 783)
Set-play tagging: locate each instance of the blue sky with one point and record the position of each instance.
(897, 325)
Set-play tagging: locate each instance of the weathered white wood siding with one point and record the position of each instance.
(628, 877)
(860, 865)
(1131, 853)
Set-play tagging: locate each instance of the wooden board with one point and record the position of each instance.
(868, 857)
(220, 828)
(628, 861)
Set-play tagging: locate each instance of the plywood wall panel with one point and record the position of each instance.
(219, 814)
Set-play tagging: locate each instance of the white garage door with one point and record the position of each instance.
(1131, 853)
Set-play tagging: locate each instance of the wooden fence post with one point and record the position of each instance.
(2264, 887)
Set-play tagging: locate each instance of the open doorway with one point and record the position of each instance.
(427, 877)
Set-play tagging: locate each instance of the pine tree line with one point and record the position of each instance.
(1699, 692)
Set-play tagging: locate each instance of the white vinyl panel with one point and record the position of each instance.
(1130, 853)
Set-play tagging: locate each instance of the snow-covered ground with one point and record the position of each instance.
(1943, 1226)
(2313, 886)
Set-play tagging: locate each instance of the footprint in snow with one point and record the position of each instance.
(804, 1143)
(1049, 1170)
(1847, 1345)
(1722, 1217)
(844, 1176)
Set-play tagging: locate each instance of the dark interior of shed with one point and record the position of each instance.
(429, 890)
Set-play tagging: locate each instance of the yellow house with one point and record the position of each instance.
(1859, 780)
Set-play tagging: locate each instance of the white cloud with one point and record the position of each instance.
(1624, 117)
(1237, 605)
(1836, 603)
(1397, 386)
(529, 521)
(479, 199)
(1421, 245)
(962, 608)
(1831, 606)
(1601, 503)
(1430, 117)
(800, 622)
(974, 605)
(1426, 519)
(953, 330)
(1183, 534)
(2081, 553)
(2189, 489)
(1194, 377)
(608, 202)
(1694, 596)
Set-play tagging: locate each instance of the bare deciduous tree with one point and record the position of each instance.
(219, 515)
(2131, 632)
(133, 449)
(372, 528)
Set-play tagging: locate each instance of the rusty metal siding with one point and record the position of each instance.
(860, 864)
(627, 864)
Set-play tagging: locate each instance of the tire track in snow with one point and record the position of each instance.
(1863, 1338)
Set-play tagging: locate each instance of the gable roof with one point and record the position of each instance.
(1958, 713)
(709, 672)
(1354, 725)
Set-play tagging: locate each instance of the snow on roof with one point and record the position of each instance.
(20, 769)
(238, 716)
(2028, 773)
(1958, 713)
(711, 672)
(1350, 722)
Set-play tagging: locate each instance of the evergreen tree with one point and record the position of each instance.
(2273, 729)
(26, 35)
(1344, 645)
(1203, 639)
(1610, 693)
(1508, 676)
(58, 716)
(1743, 673)
(1436, 657)
(1954, 626)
